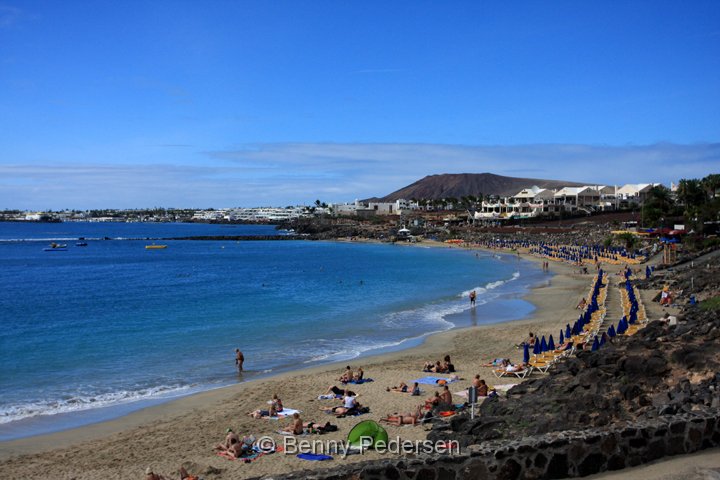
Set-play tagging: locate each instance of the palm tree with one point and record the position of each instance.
(711, 184)
(691, 193)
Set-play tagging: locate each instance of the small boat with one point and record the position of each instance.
(56, 247)
(81, 244)
(155, 247)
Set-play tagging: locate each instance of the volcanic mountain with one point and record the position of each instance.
(457, 185)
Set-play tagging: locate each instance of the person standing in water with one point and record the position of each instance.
(239, 359)
(473, 295)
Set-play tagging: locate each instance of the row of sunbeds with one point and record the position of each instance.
(544, 361)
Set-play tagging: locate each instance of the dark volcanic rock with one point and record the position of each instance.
(639, 377)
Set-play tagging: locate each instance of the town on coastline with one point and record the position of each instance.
(530, 203)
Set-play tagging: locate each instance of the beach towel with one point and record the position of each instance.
(245, 457)
(329, 396)
(287, 412)
(283, 432)
(313, 456)
(433, 380)
(359, 382)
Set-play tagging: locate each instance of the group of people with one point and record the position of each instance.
(439, 401)
(404, 388)
(445, 366)
(275, 407)
(348, 376)
(350, 405)
(234, 446)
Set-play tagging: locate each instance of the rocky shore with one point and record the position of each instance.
(635, 400)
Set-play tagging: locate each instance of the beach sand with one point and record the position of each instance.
(183, 432)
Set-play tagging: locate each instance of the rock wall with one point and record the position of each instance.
(554, 455)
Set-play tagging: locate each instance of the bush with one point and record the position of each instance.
(711, 304)
(711, 243)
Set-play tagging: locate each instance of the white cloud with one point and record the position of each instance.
(290, 173)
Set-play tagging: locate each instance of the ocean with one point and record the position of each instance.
(95, 332)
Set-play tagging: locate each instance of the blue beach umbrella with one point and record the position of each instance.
(543, 345)
(562, 338)
(602, 341)
(595, 345)
(551, 343)
(611, 331)
(536, 348)
(526, 353)
(568, 332)
(647, 272)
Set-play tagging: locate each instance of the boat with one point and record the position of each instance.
(155, 247)
(81, 244)
(56, 247)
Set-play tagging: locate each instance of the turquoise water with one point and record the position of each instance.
(94, 332)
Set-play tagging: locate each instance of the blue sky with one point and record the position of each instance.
(239, 103)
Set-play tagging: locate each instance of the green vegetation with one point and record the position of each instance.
(697, 201)
(711, 304)
(627, 239)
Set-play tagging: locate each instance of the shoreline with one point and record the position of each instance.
(43, 425)
(180, 414)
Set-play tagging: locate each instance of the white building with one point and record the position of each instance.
(635, 192)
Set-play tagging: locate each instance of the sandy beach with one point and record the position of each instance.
(184, 431)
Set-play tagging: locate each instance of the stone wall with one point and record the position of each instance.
(553, 455)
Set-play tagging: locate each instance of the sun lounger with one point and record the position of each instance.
(541, 366)
(501, 372)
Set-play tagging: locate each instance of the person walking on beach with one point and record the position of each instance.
(473, 295)
(239, 359)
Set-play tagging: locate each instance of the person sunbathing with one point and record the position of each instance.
(260, 413)
(402, 388)
(497, 362)
(312, 427)
(481, 388)
(438, 368)
(404, 418)
(582, 304)
(296, 427)
(358, 377)
(347, 375)
(278, 403)
(230, 439)
(446, 396)
(433, 401)
(332, 389)
(349, 405)
(513, 368)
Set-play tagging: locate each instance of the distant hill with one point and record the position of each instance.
(456, 185)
